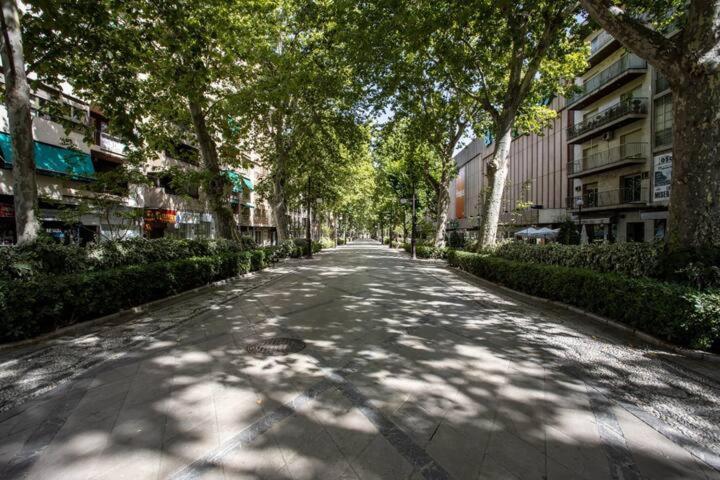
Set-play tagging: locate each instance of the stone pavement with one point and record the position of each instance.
(410, 371)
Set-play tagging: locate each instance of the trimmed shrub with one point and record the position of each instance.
(679, 314)
(634, 259)
(301, 244)
(341, 241)
(426, 251)
(44, 302)
(326, 242)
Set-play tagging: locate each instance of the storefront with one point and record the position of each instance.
(157, 221)
(7, 222)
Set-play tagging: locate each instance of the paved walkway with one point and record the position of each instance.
(410, 371)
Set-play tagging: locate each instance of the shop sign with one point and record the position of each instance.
(160, 215)
(187, 217)
(662, 176)
(7, 210)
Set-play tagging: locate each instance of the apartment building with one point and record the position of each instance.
(73, 143)
(619, 141)
(536, 187)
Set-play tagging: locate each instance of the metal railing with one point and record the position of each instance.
(610, 198)
(625, 107)
(626, 151)
(597, 43)
(627, 62)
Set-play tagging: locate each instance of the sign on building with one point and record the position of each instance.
(460, 194)
(662, 167)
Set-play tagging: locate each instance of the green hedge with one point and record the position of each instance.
(679, 314)
(43, 303)
(634, 259)
(426, 251)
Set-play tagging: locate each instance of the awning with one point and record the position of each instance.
(239, 182)
(52, 159)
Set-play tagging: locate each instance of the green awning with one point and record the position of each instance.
(52, 159)
(239, 182)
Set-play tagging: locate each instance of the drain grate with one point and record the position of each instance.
(276, 346)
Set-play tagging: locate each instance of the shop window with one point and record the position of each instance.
(635, 232)
(660, 229)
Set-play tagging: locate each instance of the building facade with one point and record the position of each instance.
(73, 144)
(536, 186)
(620, 140)
(605, 162)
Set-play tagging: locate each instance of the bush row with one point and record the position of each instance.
(45, 302)
(427, 251)
(49, 257)
(679, 314)
(634, 259)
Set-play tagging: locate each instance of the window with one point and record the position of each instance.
(661, 83)
(663, 121)
(635, 232)
(631, 188)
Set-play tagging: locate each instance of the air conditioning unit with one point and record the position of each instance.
(607, 136)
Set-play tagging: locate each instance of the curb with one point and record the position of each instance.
(646, 337)
(129, 312)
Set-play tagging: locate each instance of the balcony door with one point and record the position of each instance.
(590, 195)
(631, 188)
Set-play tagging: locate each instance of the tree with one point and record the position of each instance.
(508, 57)
(682, 41)
(161, 70)
(17, 101)
(469, 66)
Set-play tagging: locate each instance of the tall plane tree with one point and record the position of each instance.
(682, 41)
(17, 102)
(164, 70)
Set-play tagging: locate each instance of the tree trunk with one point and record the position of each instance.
(497, 170)
(694, 217)
(278, 196)
(442, 196)
(217, 188)
(17, 101)
(308, 230)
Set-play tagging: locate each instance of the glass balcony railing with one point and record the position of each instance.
(625, 63)
(627, 151)
(627, 106)
(597, 43)
(609, 198)
(112, 144)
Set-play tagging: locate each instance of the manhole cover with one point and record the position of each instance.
(276, 346)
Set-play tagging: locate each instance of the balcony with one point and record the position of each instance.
(626, 68)
(625, 154)
(620, 198)
(601, 47)
(627, 111)
(112, 144)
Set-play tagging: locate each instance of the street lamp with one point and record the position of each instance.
(579, 203)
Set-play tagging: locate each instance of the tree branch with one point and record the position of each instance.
(662, 52)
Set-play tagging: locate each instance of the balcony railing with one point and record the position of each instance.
(621, 153)
(112, 144)
(625, 63)
(625, 107)
(610, 198)
(599, 42)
